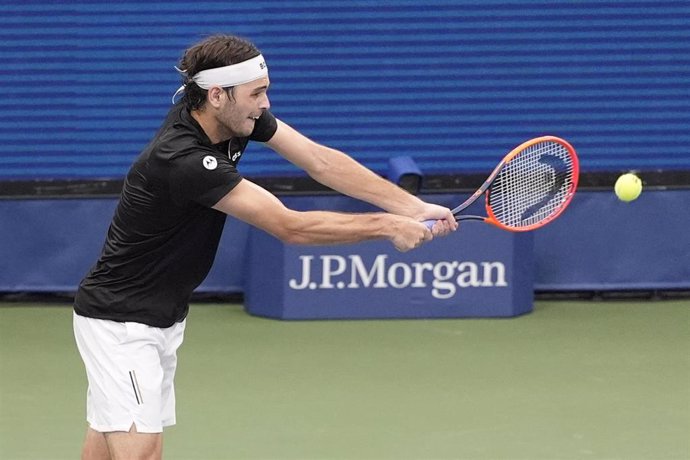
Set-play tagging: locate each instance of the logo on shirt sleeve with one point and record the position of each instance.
(210, 162)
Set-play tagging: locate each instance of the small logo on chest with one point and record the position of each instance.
(210, 162)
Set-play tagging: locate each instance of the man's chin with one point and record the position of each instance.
(246, 130)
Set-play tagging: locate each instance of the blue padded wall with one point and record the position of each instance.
(454, 84)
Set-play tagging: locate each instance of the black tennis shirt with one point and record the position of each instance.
(164, 235)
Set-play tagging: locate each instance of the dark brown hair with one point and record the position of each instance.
(214, 51)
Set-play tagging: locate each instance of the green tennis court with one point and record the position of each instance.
(572, 380)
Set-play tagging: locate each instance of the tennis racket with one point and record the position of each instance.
(529, 188)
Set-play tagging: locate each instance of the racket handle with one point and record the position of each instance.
(429, 223)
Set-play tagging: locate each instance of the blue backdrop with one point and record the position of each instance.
(453, 83)
(599, 243)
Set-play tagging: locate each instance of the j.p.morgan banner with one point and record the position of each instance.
(442, 279)
(477, 272)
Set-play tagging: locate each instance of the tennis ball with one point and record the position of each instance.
(628, 187)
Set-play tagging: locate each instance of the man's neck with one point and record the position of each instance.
(209, 125)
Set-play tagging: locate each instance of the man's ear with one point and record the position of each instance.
(214, 95)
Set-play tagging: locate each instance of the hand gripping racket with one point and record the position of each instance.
(529, 188)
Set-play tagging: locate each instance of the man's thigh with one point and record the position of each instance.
(134, 446)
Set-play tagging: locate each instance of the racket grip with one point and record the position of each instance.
(429, 223)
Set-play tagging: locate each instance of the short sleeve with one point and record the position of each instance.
(203, 176)
(266, 126)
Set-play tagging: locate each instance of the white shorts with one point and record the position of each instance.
(130, 369)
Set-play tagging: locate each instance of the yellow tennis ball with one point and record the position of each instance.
(628, 187)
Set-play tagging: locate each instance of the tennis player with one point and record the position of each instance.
(131, 307)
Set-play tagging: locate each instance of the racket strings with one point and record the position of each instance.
(533, 185)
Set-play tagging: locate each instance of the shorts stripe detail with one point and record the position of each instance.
(135, 387)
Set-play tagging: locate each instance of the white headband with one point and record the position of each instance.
(230, 75)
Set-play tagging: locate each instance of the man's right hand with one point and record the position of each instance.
(408, 233)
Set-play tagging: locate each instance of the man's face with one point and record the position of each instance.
(243, 106)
